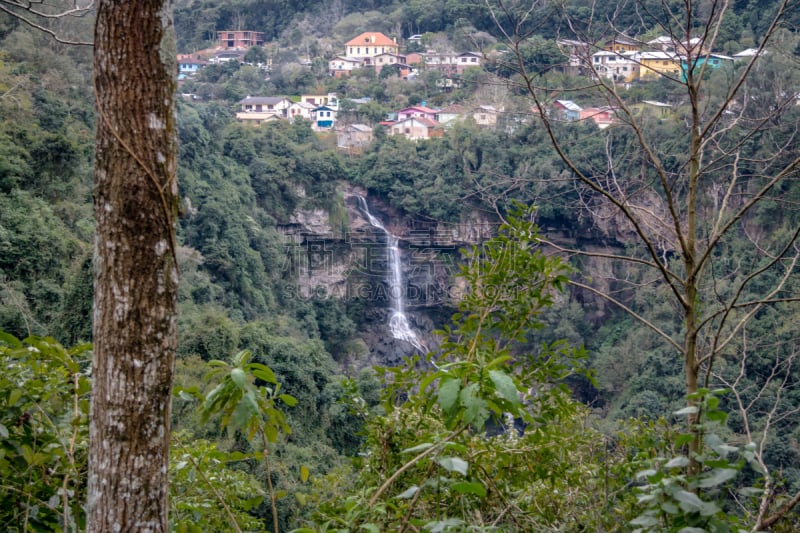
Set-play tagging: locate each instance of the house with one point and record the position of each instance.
(415, 59)
(747, 54)
(676, 46)
(258, 109)
(467, 59)
(329, 99)
(383, 60)
(448, 63)
(602, 116)
(651, 108)
(622, 67)
(446, 85)
(323, 118)
(654, 64)
(353, 138)
(417, 128)
(237, 39)
(621, 45)
(451, 114)
(567, 110)
(341, 66)
(188, 66)
(485, 115)
(228, 55)
(368, 45)
(577, 54)
(300, 110)
(710, 61)
(417, 111)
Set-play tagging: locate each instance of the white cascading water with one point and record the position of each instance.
(398, 323)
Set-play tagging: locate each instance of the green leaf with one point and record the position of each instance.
(14, 397)
(408, 493)
(469, 487)
(454, 464)
(372, 528)
(688, 410)
(418, 448)
(645, 520)
(239, 377)
(442, 525)
(448, 394)
(677, 462)
(262, 372)
(504, 386)
(304, 473)
(288, 399)
(27, 453)
(669, 508)
(718, 476)
(10, 340)
(3, 431)
(689, 501)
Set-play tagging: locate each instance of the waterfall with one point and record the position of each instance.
(398, 323)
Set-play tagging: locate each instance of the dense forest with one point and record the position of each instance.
(554, 396)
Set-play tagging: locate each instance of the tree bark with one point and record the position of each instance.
(136, 275)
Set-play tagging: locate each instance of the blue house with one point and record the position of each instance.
(712, 62)
(188, 66)
(323, 117)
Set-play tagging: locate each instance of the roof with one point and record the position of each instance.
(427, 122)
(750, 52)
(359, 127)
(452, 109)
(569, 105)
(656, 104)
(268, 100)
(422, 108)
(345, 58)
(657, 55)
(371, 37)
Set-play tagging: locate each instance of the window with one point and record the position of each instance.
(358, 50)
(474, 60)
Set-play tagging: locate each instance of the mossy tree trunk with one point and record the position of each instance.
(136, 275)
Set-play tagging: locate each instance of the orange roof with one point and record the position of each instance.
(371, 37)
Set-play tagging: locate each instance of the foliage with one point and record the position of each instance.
(44, 409)
(676, 501)
(208, 492)
(486, 422)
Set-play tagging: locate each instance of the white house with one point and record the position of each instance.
(261, 108)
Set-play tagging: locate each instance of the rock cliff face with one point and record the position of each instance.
(353, 265)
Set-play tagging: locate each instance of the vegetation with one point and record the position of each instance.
(544, 407)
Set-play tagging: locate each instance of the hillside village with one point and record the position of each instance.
(621, 60)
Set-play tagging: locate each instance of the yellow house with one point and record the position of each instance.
(654, 64)
(368, 45)
(621, 45)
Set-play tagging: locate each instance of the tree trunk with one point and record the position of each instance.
(136, 276)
